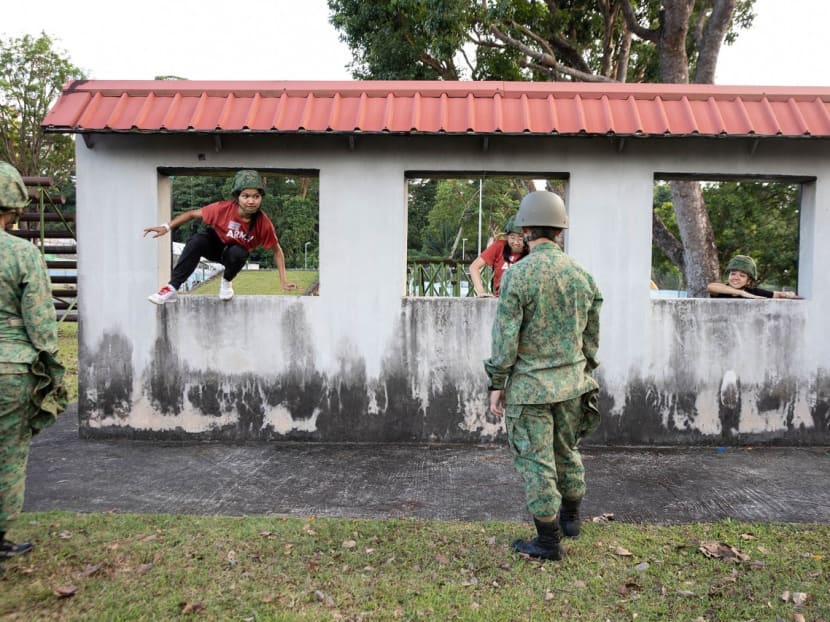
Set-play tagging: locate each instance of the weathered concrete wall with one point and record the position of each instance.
(362, 363)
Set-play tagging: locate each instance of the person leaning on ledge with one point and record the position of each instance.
(741, 274)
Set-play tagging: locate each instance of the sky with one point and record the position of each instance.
(293, 40)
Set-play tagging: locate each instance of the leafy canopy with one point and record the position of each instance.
(32, 74)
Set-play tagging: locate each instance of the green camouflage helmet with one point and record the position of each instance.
(511, 227)
(542, 209)
(13, 193)
(247, 178)
(744, 264)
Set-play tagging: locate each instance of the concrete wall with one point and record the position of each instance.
(363, 363)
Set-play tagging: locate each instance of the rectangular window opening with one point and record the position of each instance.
(752, 217)
(452, 220)
(291, 203)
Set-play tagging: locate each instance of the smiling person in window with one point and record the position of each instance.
(741, 274)
(500, 255)
(235, 228)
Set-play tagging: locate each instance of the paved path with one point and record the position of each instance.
(655, 485)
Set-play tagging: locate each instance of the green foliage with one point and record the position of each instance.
(759, 219)
(403, 39)
(421, 199)
(503, 39)
(32, 74)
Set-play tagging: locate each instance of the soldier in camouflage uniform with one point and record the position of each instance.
(31, 379)
(545, 341)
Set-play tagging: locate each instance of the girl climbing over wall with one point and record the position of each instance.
(235, 228)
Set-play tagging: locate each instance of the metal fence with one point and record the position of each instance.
(443, 278)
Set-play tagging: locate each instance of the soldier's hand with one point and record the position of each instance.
(497, 403)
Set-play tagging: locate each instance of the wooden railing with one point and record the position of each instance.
(59, 242)
(442, 278)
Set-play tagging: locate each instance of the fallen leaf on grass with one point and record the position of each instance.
(441, 559)
(231, 557)
(192, 607)
(491, 541)
(143, 568)
(267, 599)
(721, 550)
(475, 606)
(625, 588)
(580, 584)
(324, 598)
(747, 536)
(472, 581)
(64, 535)
(89, 570)
(66, 591)
(797, 617)
(603, 518)
(641, 567)
(797, 598)
(349, 544)
(618, 550)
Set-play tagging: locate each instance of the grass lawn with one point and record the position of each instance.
(260, 282)
(159, 567)
(68, 355)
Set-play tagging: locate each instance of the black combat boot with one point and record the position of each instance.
(545, 545)
(569, 518)
(10, 549)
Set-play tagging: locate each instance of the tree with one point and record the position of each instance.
(33, 74)
(572, 40)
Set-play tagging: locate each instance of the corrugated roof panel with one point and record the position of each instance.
(626, 116)
(817, 116)
(680, 117)
(570, 113)
(399, 114)
(177, 117)
(785, 120)
(441, 107)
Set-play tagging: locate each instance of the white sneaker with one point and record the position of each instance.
(164, 295)
(225, 290)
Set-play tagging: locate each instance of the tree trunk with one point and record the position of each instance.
(666, 242)
(700, 266)
(699, 250)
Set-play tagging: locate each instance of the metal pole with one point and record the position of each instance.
(480, 193)
(463, 240)
(305, 256)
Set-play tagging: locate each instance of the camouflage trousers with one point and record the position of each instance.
(543, 440)
(15, 434)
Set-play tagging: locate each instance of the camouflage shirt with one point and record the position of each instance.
(546, 332)
(27, 315)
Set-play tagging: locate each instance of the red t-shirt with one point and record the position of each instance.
(223, 217)
(493, 256)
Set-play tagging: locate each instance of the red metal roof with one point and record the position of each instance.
(543, 108)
